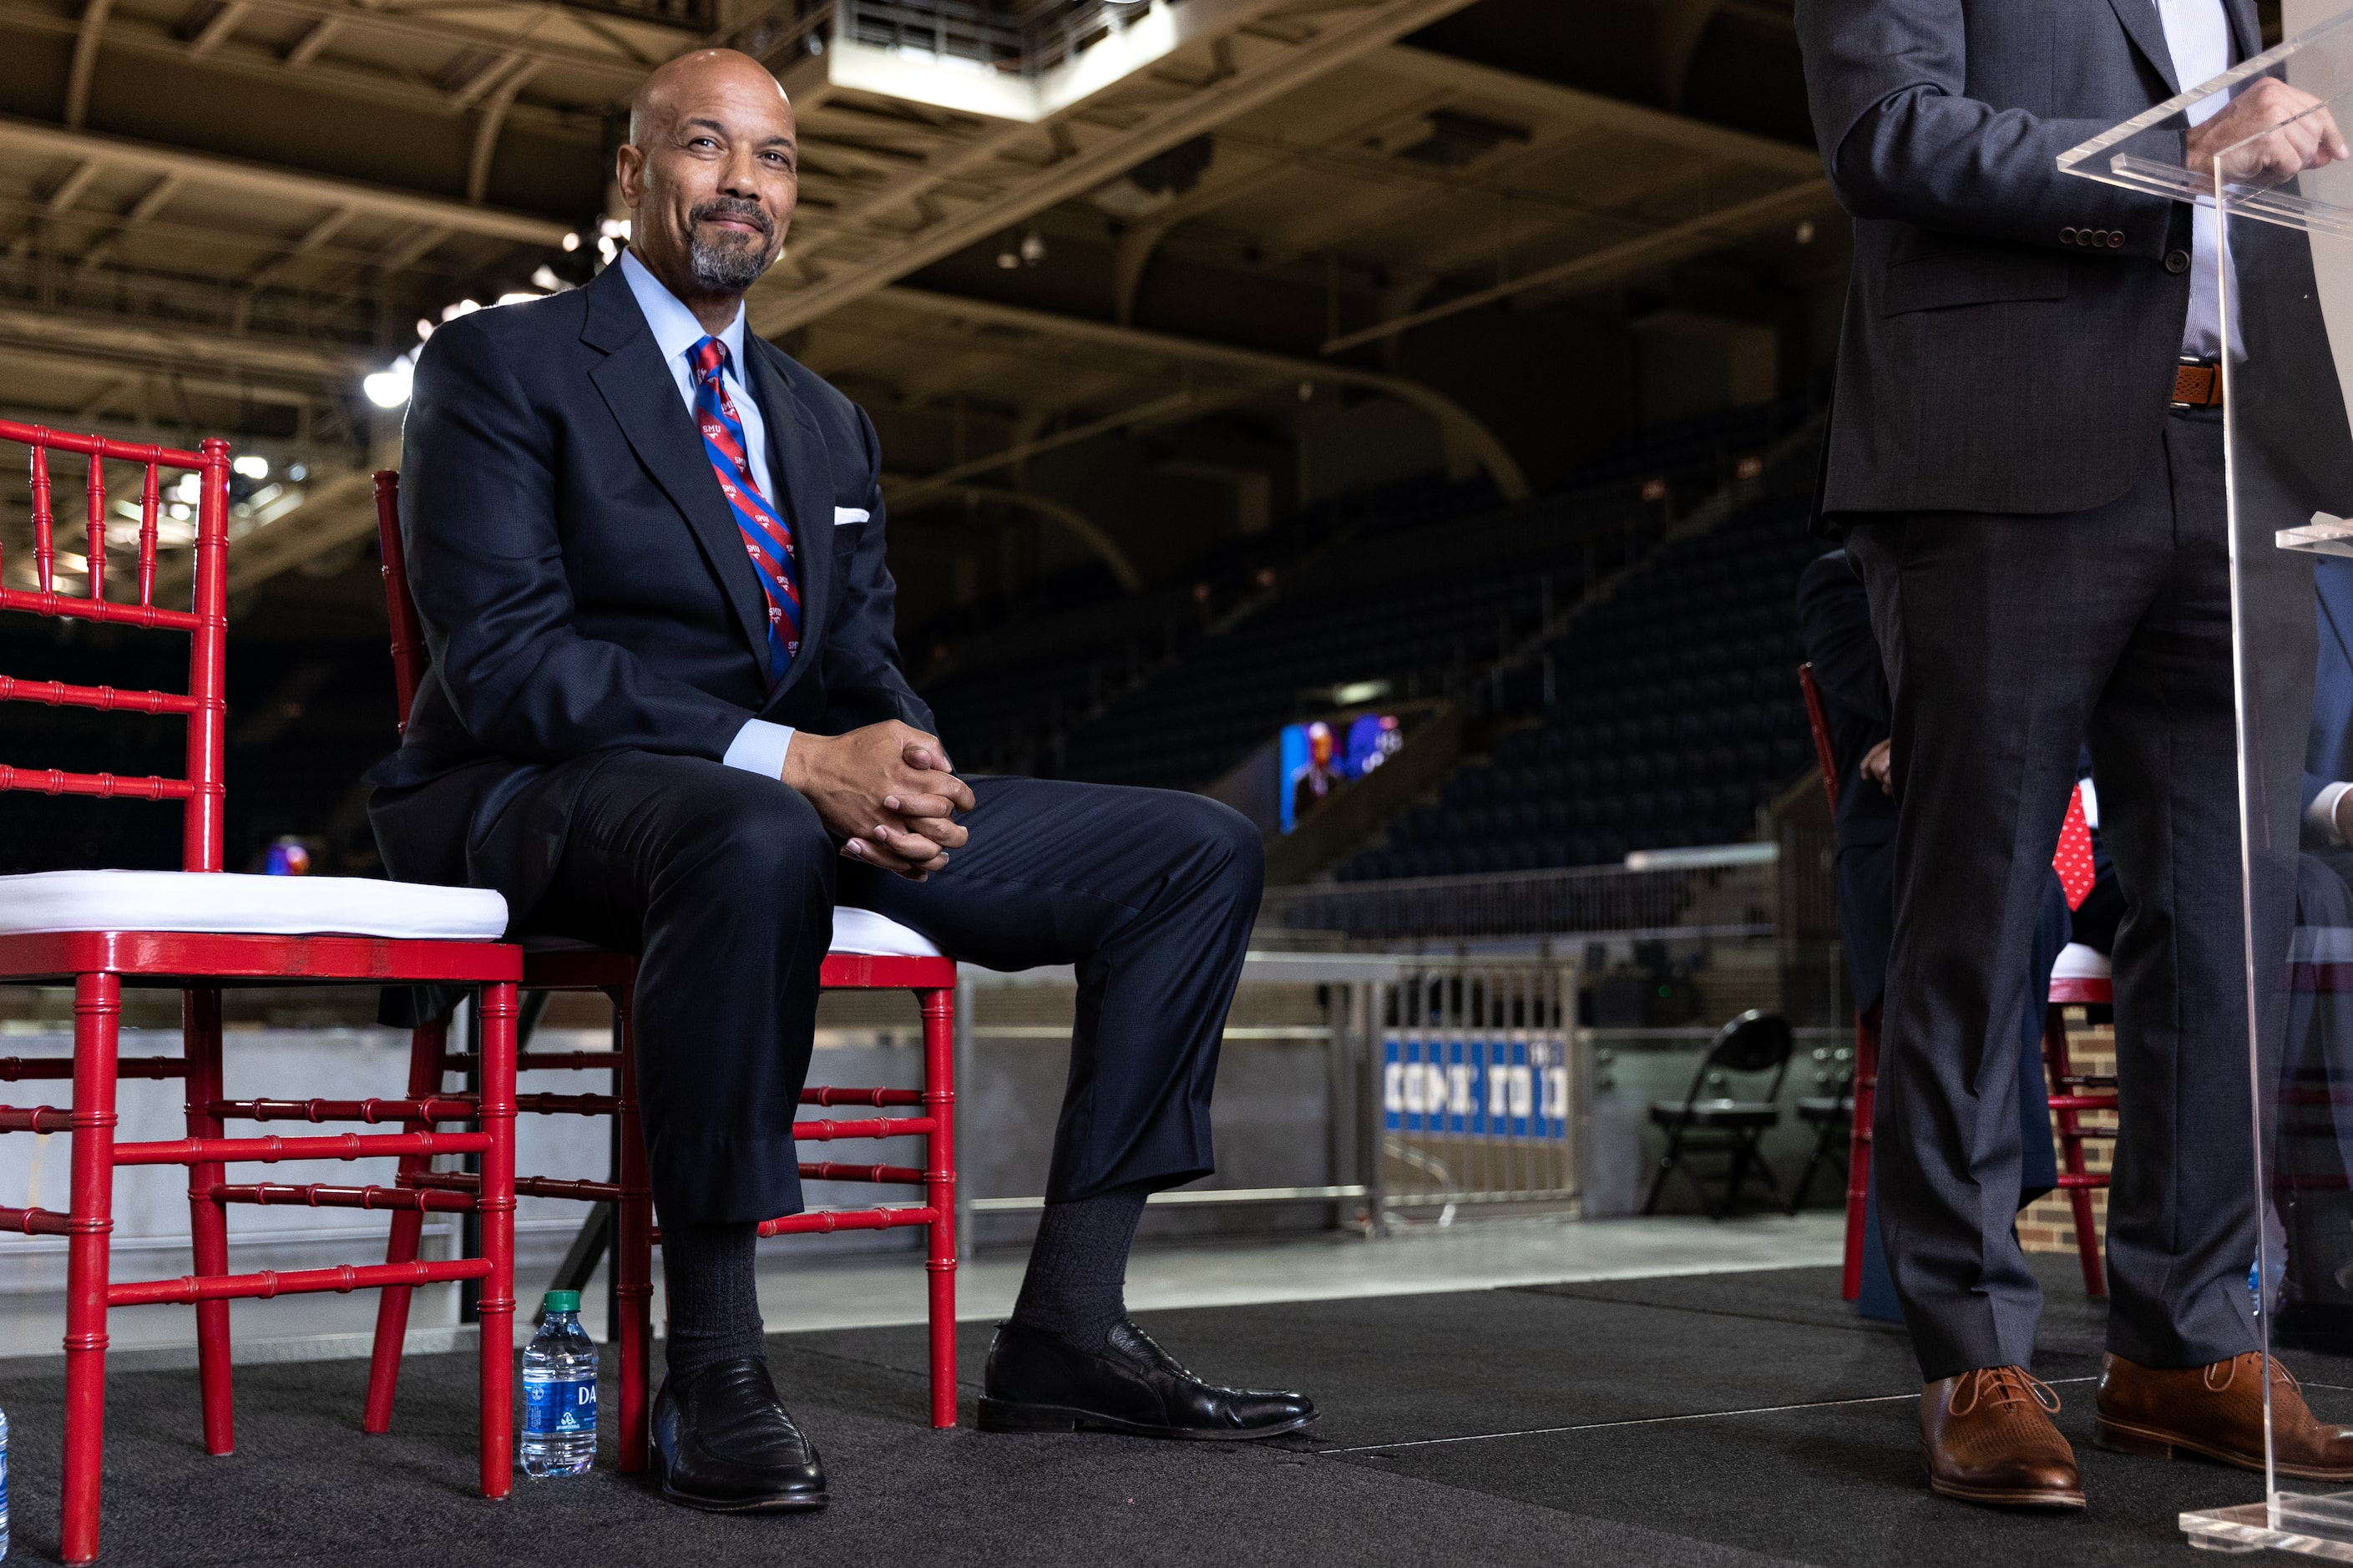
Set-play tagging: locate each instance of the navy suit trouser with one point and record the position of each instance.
(724, 883)
(2009, 639)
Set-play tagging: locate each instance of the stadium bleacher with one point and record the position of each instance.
(1421, 586)
(1676, 716)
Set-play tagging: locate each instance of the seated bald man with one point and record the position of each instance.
(666, 714)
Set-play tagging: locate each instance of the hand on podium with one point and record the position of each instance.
(888, 790)
(2269, 135)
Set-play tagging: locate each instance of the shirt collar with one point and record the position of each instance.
(674, 326)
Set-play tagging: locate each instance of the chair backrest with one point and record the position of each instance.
(202, 791)
(399, 604)
(1755, 1042)
(1819, 719)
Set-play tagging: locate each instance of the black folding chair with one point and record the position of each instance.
(1753, 1043)
(1832, 1116)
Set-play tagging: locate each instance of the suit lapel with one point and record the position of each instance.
(802, 473)
(636, 386)
(2147, 31)
(2246, 30)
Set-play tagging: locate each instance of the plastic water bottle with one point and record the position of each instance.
(559, 1392)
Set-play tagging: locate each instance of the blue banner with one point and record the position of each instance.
(1475, 1086)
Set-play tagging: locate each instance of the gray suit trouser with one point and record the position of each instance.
(2010, 640)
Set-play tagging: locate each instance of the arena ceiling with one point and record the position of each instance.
(1024, 226)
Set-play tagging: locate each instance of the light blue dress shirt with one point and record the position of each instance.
(759, 746)
(2198, 37)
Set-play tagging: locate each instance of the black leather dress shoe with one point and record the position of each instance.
(1037, 1383)
(726, 1446)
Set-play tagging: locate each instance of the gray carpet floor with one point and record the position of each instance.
(1733, 1419)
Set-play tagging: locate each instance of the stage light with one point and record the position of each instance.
(1006, 256)
(1805, 231)
(1033, 248)
(571, 243)
(517, 296)
(389, 388)
(298, 473)
(190, 488)
(252, 468)
(545, 278)
(1306, 391)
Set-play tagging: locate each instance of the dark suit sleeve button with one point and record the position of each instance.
(2116, 238)
(2176, 261)
(2066, 237)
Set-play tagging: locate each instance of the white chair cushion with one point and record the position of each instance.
(867, 933)
(226, 903)
(2077, 962)
(861, 932)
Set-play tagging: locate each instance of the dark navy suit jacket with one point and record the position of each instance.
(1990, 360)
(582, 583)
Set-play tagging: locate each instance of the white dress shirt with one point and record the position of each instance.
(2198, 37)
(759, 746)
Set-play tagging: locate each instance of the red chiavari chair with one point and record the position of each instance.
(197, 931)
(2081, 978)
(1865, 1091)
(869, 954)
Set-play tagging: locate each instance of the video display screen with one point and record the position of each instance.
(1316, 760)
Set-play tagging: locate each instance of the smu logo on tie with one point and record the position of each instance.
(1506, 1086)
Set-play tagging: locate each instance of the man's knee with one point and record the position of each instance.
(1222, 842)
(747, 830)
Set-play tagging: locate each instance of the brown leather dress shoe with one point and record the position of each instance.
(2218, 1411)
(1987, 1437)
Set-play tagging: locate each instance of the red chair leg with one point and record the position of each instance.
(2060, 1067)
(200, 1028)
(939, 1191)
(633, 1251)
(98, 1003)
(426, 1043)
(495, 1307)
(1858, 1160)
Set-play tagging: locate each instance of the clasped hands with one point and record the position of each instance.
(887, 791)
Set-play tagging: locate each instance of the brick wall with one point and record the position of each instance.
(2049, 1223)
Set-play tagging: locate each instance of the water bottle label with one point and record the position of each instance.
(552, 1408)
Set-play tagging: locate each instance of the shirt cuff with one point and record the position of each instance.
(2321, 814)
(759, 747)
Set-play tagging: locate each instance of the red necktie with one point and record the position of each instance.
(2073, 861)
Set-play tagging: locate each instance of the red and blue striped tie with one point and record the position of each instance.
(766, 538)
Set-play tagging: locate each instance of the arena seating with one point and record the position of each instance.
(1011, 681)
(306, 717)
(1426, 605)
(1676, 715)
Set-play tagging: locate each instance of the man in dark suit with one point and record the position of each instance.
(666, 714)
(2032, 480)
(1834, 620)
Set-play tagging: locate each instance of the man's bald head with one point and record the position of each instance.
(658, 97)
(711, 175)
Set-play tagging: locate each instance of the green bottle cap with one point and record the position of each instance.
(561, 1301)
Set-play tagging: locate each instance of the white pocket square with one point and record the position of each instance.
(848, 514)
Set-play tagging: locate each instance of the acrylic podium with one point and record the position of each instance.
(2272, 238)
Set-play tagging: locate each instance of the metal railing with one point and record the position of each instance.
(1448, 1081)
(1708, 899)
(1475, 1095)
(992, 35)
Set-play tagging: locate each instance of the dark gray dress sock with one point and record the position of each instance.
(1076, 1286)
(715, 1296)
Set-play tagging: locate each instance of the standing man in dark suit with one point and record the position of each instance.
(2031, 477)
(666, 714)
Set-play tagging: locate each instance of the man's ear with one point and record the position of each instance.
(629, 171)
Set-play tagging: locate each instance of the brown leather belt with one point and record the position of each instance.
(2198, 384)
